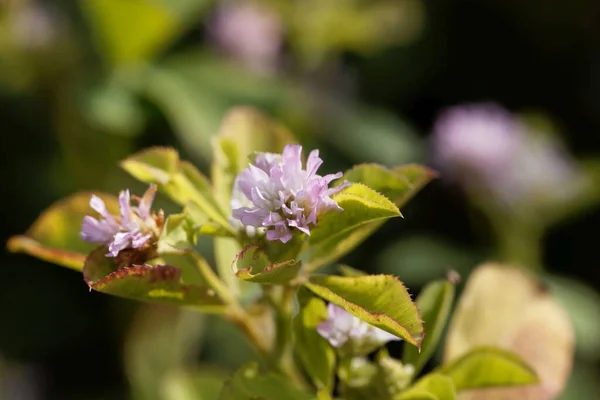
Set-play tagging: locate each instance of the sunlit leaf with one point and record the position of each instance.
(54, 236)
(434, 302)
(416, 394)
(323, 394)
(391, 310)
(361, 205)
(177, 234)
(349, 271)
(253, 265)
(431, 386)
(195, 384)
(150, 283)
(399, 184)
(315, 353)
(489, 367)
(249, 383)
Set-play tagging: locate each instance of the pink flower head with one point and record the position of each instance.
(476, 140)
(283, 196)
(483, 146)
(250, 33)
(344, 330)
(132, 229)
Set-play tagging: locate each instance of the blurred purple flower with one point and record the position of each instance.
(133, 229)
(34, 25)
(483, 146)
(283, 195)
(250, 33)
(343, 329)
(476, 140)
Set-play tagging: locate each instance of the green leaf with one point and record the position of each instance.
(253, 265)
(178, 234)
(434, 302)
(198, 384)
(361, 204)
(180, 180)
(249, 383)
(149, 283)
(135, 30)
(485, 367)
(416, 394)
(399, 184)
(323, 394)
(440, 387)
(391, 310)
(352, 272)
(315, 353)
(54, 236)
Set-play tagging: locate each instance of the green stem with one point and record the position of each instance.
(520, 244)
(239, 317)
(281, 298)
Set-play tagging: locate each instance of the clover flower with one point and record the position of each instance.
(350, 334)
(132, 229)
(282, 196)
(477, 141)
(250, 33)
(485, 147)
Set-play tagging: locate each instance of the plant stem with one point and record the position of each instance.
(244, 322)
(281, 298)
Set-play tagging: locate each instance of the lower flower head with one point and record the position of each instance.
(350, 334)
(282, 196)
(133, 228)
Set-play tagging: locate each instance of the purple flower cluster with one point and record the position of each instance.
(282, 195)
(250, 33)
(133, 229)
(485, 147)
(343, 329)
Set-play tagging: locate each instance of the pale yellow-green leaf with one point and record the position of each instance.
(485, 367)
(399, 184)
(204, 383)
(360, 205)
(391, 310)
(177, 234)
(439, 386)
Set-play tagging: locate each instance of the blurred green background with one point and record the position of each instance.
(85, 83)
